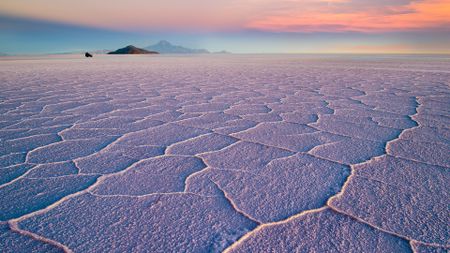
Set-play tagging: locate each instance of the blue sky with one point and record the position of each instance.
(247, 26)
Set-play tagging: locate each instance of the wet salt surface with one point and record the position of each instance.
(255, 153)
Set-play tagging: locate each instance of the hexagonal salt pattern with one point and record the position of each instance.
(227, 153)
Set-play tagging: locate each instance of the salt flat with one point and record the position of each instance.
(234, 153)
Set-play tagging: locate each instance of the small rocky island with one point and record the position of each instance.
(132, 50)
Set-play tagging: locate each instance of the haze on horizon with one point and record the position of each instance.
(244, 26)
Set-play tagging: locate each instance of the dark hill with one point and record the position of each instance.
(132, 50)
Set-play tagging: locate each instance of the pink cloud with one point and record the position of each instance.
(231, 15)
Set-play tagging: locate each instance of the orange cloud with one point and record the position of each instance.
(231, 15)
(415, 15)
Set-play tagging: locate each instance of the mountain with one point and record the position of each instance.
(222, 52)
(165, 47)
(132, 50)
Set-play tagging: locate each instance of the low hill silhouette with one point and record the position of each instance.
(132, 50)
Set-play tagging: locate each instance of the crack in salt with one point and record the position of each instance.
(15, 228)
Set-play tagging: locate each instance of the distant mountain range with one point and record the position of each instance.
(222, 52)
(132, 50)
(165, 47)
(162, 47)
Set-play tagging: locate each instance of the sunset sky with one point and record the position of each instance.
(241, 26)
